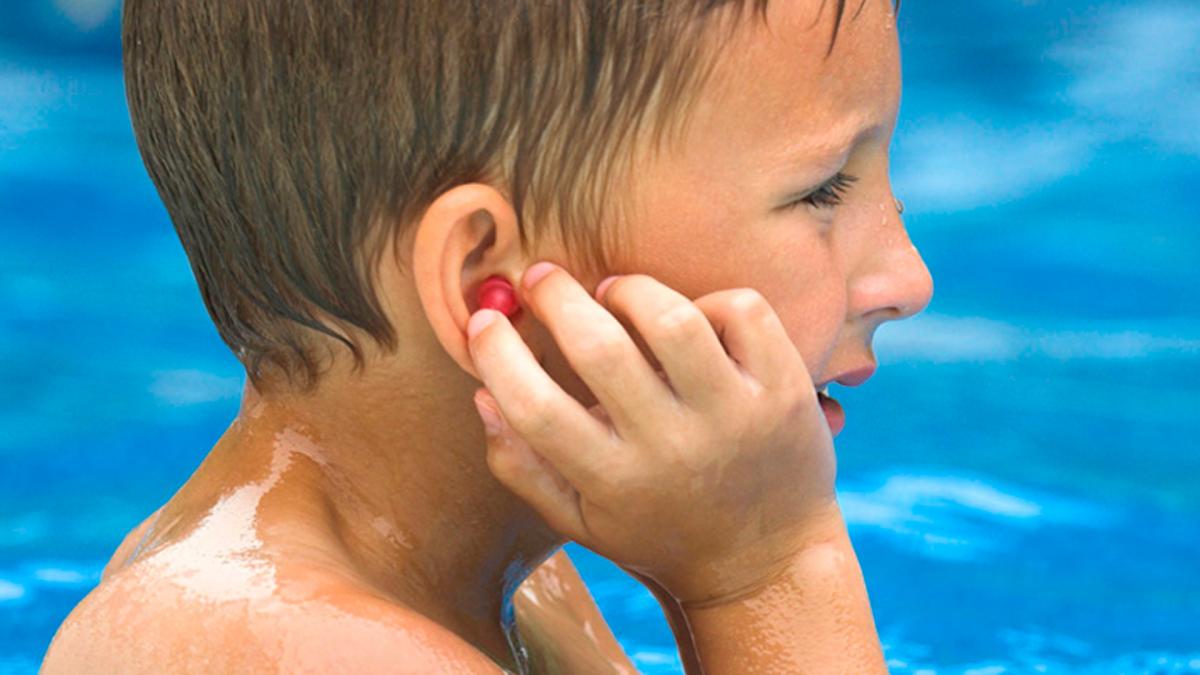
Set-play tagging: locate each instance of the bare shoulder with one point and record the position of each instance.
(129, 545)
(138, 621)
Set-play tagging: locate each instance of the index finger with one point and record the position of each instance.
(599, 350)
(551, 421)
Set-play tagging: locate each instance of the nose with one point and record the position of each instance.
(895, 283)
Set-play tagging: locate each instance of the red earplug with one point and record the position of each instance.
(497, 293)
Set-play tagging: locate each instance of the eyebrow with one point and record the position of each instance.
(799, 162)
(833, 158)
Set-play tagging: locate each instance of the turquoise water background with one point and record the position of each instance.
(1021, 477)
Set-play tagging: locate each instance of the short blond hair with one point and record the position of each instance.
(279, 133)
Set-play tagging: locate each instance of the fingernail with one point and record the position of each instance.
(604, 286)
(480, 320)
(493, 424)
(535, 273)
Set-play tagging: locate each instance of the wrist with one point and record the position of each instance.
(820, 592)
(750, 570)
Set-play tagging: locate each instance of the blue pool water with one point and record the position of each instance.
(1021, 478)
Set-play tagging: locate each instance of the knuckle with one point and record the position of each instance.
(750, 304)
(676, 442)
(799, 402)
(754, 393)
(612, 487)
(628, 484)
(534, 416)
(597, 348)
(679, 322)
(765, 408)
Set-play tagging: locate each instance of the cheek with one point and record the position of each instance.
(813, 317)
(695, 246)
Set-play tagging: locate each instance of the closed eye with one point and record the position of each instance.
(828, 195)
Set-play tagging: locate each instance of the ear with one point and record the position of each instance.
(467, 234)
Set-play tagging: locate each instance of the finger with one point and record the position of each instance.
(600, 351)
(680, 336)
(533, 405)
(755, 337)
(532, 478)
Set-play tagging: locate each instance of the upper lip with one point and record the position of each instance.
(852, 378)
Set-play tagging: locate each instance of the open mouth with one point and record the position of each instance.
(835, 417)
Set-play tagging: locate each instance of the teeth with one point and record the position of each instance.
(824, 390)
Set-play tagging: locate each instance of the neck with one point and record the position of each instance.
(403, 478)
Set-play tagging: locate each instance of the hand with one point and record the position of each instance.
(708, 479)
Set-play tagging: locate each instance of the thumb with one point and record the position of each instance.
(526, 473)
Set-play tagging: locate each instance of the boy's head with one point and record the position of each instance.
(292, 141)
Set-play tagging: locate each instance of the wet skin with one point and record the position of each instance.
(360, 527)
(261, 578)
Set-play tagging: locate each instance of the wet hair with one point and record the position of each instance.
(286, 137)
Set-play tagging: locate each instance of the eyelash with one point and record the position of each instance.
(828, 195)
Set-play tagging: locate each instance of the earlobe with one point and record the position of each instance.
(466, 250)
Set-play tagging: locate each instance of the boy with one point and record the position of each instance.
(344, 177)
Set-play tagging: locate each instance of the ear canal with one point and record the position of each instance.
(497, 293)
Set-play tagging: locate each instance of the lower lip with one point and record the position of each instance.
(835, 417)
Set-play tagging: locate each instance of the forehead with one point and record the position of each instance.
(774, 83)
